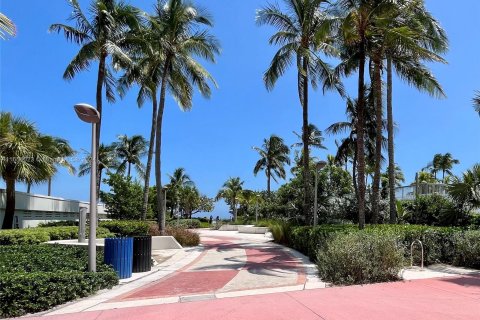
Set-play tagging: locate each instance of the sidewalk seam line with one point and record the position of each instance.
(300, 303)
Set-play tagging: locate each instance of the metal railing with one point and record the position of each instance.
(411, 252)
(410, 192)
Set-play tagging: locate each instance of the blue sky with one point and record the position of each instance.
(214, 141)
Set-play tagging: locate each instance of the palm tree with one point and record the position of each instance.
(104, 35)
(6, 27)
(446, 164)
(434, 165)
(411, 24)
(145, 72)
(177, 27)
(476, 102)
(302, 34)
(230, 192)
(466, 190)
(443, 163)
(385, 180)
(21, 158)
(178, 180)
(273, 158)
(355, 32)
(315, 138)
(58, 150)
(130, 151)
(107, 160)
(425, 177)
(348, 146)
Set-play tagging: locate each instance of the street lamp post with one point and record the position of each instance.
(164, 209)
(319, 166)
(256, 207)
(89, 114)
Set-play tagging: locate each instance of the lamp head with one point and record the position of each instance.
(87, 113)
(321, 165)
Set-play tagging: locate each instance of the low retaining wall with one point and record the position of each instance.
(228, 227)
(253, 230)
(158, 243)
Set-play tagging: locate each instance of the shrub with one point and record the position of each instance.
(281, 230)
(125, 199)
(467, 249)
(359, 258)
(40, 235)
(58, 224)
(34, 278)
(126, 228)
(185, 237)
(185, 223)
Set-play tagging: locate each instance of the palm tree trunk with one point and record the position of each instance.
(128, 170)
(29, 187)
(158, 149)
(49, 187)
(10, 205)
(391, 149)
(268, 182)
(151, 149)
(100, 80)
(354, 173)
(361, 139)
(378, 139)
(306, 153)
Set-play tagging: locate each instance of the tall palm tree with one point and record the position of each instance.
(178, 180)
(273, 158)
(230, 192)
(107, 160)
(22, 158)
(102, 34)
(7, 28)
(59, 150)
(415, 36)
(146, 73)
(355, 32)
(303, 34)
(130, 151)
(180, 31)
(348, 145)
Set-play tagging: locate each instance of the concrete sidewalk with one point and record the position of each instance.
(431, 299)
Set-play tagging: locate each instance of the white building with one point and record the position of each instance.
(33, 209)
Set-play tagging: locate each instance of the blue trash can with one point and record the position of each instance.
(118, 253)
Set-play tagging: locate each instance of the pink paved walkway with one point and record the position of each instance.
(226, 266)
(433, 299)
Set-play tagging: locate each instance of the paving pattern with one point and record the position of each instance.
(227, 265)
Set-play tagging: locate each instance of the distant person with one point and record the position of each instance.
(211, 219)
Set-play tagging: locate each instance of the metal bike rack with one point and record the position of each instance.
(411, 252)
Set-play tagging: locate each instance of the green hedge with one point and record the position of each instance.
(441, 244)
(35, 278)
(39, 235)
(361, 257)
(467, 249)
(126, 228)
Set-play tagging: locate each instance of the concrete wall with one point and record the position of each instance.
(33, 209)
